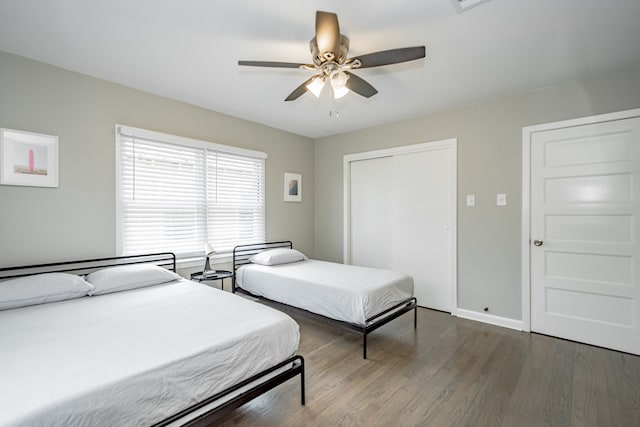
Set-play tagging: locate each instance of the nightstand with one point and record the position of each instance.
(212, 275)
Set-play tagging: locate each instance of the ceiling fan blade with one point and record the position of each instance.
(271, 64)
(300, 90)
(393, 56)
(328, 35)
(359, 86)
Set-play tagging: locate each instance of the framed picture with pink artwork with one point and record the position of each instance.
(28, 158)
(292, 187)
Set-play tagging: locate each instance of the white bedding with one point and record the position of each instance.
(134, 357)
(343, 292)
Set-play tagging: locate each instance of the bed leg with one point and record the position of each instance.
(364, 345)
(415, 317)
(302, 393)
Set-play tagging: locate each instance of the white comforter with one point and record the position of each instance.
(343, 292)
(135, 357)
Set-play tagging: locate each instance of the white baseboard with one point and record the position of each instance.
(490, 318)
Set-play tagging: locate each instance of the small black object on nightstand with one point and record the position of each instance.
(201, 276)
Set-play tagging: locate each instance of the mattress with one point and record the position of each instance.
(134, 357)
(343, 292)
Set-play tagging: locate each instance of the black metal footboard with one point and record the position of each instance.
(210, 417)
(388, 315)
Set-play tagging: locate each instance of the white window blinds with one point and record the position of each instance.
(176, 194)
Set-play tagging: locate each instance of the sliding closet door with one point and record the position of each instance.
(420, 189)
(370, 212)
(400, 214)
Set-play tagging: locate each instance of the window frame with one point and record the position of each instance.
(123, 132)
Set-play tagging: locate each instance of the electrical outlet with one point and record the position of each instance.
(501, 200)
(471, 200)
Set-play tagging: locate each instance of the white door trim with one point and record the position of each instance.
(527, 133)
(451, 144)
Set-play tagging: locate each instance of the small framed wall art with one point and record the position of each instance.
(28, 158)
(292, 187)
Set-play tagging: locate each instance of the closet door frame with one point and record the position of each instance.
(447, 144)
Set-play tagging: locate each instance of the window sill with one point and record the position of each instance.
(199, 261)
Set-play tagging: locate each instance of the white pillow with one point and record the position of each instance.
(42, 288)
(277, 256)
(126, 277)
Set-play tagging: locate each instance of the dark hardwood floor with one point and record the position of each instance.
(449, 372)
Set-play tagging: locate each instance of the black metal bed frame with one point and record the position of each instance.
(265, 380)
(241, 255)
(85, 266)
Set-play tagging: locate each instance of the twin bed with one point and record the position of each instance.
(359, 298)
(146, 348)
(126, 341)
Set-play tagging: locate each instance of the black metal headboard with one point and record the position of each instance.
(86, 266)
(242, 253)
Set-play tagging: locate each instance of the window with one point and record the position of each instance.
(176, 194)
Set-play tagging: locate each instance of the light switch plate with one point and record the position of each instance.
(471, 200)
(501, 200)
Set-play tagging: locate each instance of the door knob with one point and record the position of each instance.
(538, 242)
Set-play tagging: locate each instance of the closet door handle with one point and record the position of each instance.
(538, 242)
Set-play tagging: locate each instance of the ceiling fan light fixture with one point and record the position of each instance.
(338, 79)
(339, 92)
(338, 83)
(316, 85)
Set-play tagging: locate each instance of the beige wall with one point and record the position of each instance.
(489, 162)
(78, 218)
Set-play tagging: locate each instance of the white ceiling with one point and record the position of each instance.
(188, 50)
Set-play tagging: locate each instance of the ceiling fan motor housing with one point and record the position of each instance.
(320, 58)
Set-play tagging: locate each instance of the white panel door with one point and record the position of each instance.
(585, 194)
(370, 246)
(420, 230)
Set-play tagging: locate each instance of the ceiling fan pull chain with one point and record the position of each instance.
(331, 99)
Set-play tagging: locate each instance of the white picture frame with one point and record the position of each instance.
(292, 187)
(28, 159)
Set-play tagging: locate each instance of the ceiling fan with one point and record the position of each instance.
(329, 50)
